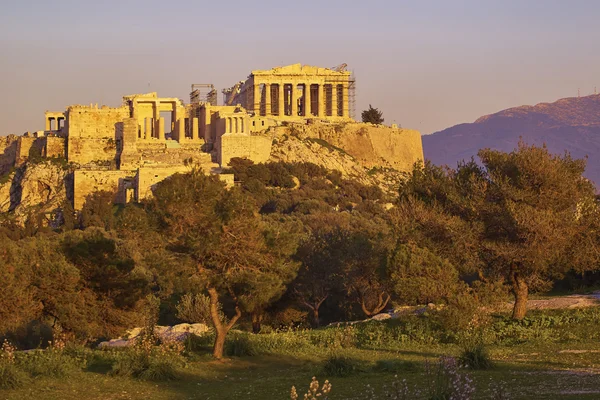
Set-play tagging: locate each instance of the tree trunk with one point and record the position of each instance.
(315, 311)
(381, 303)
(221, 329)
(219, 344)
(520, 291)
(257, 318)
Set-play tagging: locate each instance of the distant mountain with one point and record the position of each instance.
(571, 124)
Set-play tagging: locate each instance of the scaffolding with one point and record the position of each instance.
(351, 87)
(352, 96)
(203, 93)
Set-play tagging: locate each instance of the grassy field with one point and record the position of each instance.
(545, 357)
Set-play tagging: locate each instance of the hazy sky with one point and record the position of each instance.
(427, 65)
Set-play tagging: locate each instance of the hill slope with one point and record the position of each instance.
(571, 124)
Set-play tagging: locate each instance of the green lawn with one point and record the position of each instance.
(528, 371)
(550, 355)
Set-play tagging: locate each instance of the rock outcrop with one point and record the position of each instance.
(371, 154)
(177, 333)
(41, 187)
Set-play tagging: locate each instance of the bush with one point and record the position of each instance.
(11, 377)
(139, 364)
(340, 366)
(474, 355)
(50, 363)
(394, 366)
(240, 345)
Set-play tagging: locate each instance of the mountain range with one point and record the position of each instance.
(570, 124)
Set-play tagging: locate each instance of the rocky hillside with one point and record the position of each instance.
(571, 124)
(40, 187)
(370, 154)
(377, 155)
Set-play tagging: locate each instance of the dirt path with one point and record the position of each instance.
(571, 301)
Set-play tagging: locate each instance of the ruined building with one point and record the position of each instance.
(147, 138)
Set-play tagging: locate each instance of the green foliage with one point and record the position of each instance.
(372, 115)
(11, 376)
(240, 345)
(194, 308)
(419, 276)
(340, 366)
(474, 355)
(50, 363)
(396, 366)
(140, 365)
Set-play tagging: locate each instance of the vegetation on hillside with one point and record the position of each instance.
(295, 246)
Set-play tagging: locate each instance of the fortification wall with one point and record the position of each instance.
(29, 147)
(8, 152)
(93, 122)
(87, 150)
(88, 182)
(55, 146)
(255, 148)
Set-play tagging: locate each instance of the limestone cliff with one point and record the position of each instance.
(40, 186)
(371, 154)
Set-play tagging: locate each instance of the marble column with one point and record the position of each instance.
(321, 110)
(256, 100)
(346, 103)
(294, 99)
(307, 100)
(148, 127)
(195, 129)
(334, 101)
(160, 128)
(268, 110)
(281, 104)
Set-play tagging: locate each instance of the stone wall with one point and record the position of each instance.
(83, 151)
(255, 148)
(88, 182)
(94, 122)
(146, 178)
(55, 146)
(29, 147)
(8, 152)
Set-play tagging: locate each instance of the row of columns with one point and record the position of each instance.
(155, 128)
(57, 126)
(338, 94)
(234, 125)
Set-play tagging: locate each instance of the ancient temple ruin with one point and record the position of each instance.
(129, 148)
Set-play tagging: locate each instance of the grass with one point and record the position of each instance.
(546, 366)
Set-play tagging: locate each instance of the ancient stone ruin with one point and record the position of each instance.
(128, 149)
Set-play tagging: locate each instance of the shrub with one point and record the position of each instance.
(11, 377)
(474, 355)
(240, 345)
(146, 366)
(396, 366)
(445, 381)
(340, 366)
(50, 363)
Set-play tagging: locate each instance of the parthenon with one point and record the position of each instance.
(295, 91)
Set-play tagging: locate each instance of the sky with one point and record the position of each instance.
(427, 65)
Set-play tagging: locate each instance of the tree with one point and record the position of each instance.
(537, 206)
(521, 217)
(237, 260)
(372, 115)
(421, 277)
